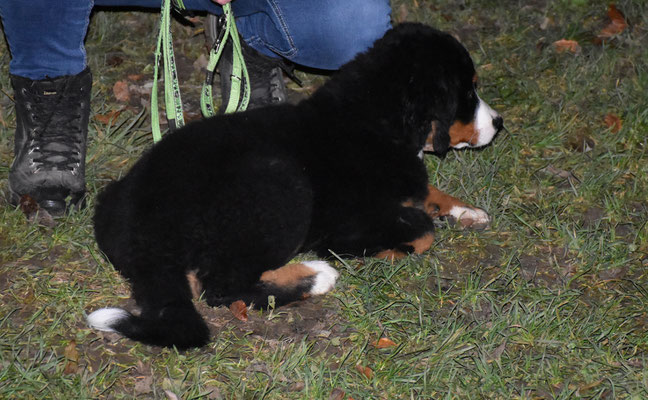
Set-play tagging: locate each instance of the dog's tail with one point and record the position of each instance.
(173, 325)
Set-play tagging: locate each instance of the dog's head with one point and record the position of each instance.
(442, 107)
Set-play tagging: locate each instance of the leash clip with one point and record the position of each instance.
(221, 26)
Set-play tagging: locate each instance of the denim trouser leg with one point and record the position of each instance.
(46, 36)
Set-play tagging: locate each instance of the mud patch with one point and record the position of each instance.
(549, 267)
(486, 261)
(314, 319)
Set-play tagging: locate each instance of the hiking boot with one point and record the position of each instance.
(267, 85)
(50, 142)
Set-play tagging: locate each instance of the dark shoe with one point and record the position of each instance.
(50, 142)
(267, 85)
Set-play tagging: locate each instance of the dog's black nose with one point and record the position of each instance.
(498, 123)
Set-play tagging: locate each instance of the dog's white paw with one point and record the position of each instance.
(325, 277)
(470, 217)
(105, 318)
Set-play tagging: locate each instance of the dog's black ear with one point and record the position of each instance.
(438, 139)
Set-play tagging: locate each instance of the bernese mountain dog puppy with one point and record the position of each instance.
(232, 199)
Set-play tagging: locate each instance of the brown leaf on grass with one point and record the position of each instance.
(28, 205)
(296, 387)
(121, 91)
(71, 355)
(135, 77)
(384, 343)
(114, 61)
(109, 118)
(561, 173)
(144, 384)
(496, 355)
(366, 371)
(337, 394)
(564, 45)
(239, 310)
(581, 143)
(171, 396)
(613, 122)
(617, 25)
(403, 13)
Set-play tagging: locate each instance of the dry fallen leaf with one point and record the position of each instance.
(617, 25)
(561, 173)
(71, 355)
(496, 355)
(403, 13)
(121, 91)
(28, 205)
(33, 213)
(581, 143)
(109, 118)
(239, 309)
(144, 384)
(383, 343)
(366, 371)
(337, 394)
(114, 61)
(565, 45)
(170, 395)
(613, 122)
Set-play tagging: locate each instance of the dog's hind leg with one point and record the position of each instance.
(286, 284)
(168, 316)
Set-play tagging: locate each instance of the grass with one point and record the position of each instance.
(550, 302)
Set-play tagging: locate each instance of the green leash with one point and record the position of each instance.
(239, 71)
(172, 98)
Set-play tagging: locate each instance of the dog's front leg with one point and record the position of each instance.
(443, 206)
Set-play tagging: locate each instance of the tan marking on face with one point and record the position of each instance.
(289, 275)
(194, 284)
(429, 141)
(439, 204)
(463, 133)
(475, 79)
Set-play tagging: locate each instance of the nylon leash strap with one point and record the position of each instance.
(240, 79)
(172, 97)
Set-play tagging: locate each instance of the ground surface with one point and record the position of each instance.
(550, 302)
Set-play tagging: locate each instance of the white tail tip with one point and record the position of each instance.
(105, 318)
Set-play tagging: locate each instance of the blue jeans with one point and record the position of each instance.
(46, 36)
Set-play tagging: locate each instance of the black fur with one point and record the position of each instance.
(236, 195)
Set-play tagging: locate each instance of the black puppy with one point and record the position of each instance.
(236, 197)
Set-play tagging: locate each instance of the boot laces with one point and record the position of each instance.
(55, 141)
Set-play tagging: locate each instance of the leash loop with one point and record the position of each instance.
(164, 53)
(238, 101)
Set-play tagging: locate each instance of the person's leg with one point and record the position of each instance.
(313, 33)
(317, 34)
(46, 36)
(52, 95)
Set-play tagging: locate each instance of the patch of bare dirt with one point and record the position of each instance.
(549, 267)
